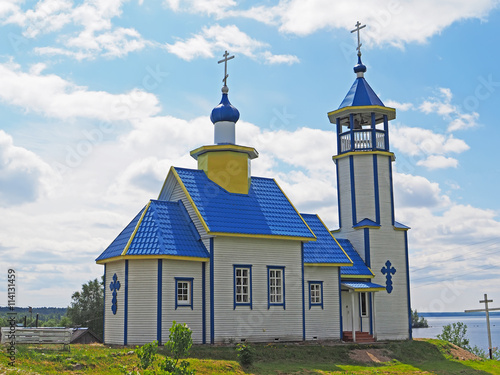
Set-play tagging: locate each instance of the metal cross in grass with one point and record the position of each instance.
(114, 286)
(358, 27)
(225, 60)
(388, 271)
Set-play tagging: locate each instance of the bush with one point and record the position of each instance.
(179, 343)
(455, 333)
(245, 354)
(147, 354)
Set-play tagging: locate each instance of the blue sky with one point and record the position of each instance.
(99, 98)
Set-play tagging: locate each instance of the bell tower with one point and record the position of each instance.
(366, 200)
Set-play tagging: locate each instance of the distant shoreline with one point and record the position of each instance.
(448, 314)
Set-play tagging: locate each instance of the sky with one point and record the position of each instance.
(98, 98)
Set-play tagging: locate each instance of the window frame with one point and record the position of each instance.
(189, 281)
(311, 303)
(366, 314)
(250, 300)
(283, 302)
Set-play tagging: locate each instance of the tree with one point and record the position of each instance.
(417, 321)
(86, 308)
(455, 333)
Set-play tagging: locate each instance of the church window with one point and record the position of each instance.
(242, 285)
(276, 286)
(363, 304)
(184, 292)
(315, 293)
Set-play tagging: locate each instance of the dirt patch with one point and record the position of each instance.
(462, 354)
(369, 355)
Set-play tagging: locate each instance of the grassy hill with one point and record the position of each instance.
(426, 356)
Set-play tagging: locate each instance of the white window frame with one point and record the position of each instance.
(276, 286)
(364, 296)
(187, 284)
(241, 282)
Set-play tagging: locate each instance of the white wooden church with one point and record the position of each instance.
(229, 254)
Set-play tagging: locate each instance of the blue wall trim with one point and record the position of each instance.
(339, 130)
(269, 303)
(375, 184)
(351, 126)
(104, 305)
(203, 304)
(408, 285)
(359, 311)
(353, 191)
(374, 132)
(310, 297)
(340, 307)
(386, 131)
(159, 303)
(249, 266)
(190, 280)
(367, 247)
(338, 194)
(212, 296)
(303, 293)
(125, 311)
(392, 189)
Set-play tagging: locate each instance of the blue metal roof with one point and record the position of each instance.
(265, 210)
(325, 249)
(360, 285)
(359, 267)
(361, 94)
(225, 111)
(366, 223)
(118, 245)
(400, 226)
(165, 229)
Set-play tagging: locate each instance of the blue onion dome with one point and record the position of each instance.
(225, 110)
(359, 67)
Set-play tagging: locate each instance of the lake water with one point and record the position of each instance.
(476, 328)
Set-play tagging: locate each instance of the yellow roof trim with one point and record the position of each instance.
(384, 153)
(350, 260)
(264, 236)
(368, 226)
(366, 289)
(181, 184)
(403, 229)
(252, 152)
(152, 256)
(328, 264)
(289, 201)
(136, 229)
(357, 276)
(363, 108)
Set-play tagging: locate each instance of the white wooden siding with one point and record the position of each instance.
(142, 301)
(391, 310)
(365, 187)
(384, 189)
(345, 192)
(259, 323)
(183, 314)
(113, 324)
(323, 323)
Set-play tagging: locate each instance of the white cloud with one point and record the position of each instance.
(417, 191)
(418, 141)
(24, 177)
(97, 36)
(399, 106)
(438, 162)
(222, 38)
(442, 105)
(54, 96)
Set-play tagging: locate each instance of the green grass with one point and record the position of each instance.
(407, 357)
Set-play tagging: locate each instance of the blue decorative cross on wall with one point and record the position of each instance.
(388, 271)
(114, 286)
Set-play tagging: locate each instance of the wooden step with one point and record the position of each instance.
(360, 337)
